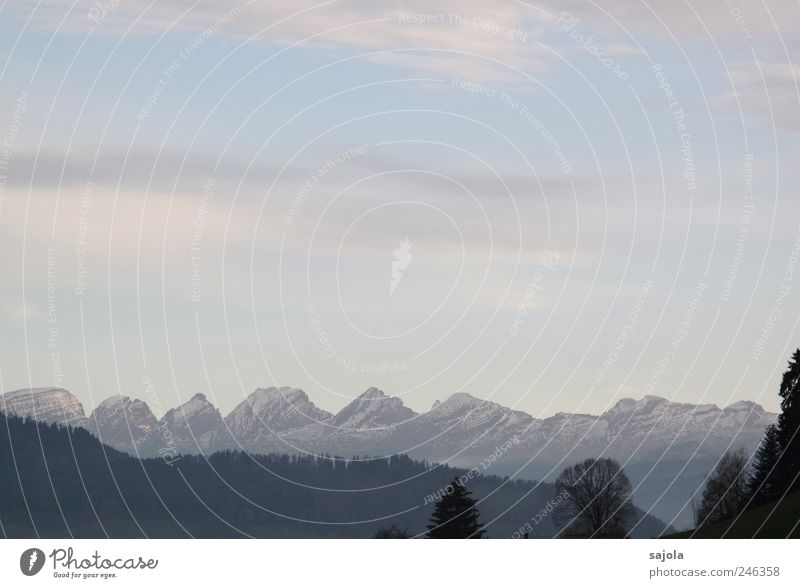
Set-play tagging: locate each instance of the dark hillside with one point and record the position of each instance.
(62, 482)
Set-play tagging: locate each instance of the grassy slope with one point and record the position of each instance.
(774, 521)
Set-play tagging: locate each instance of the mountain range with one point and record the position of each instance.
(667, 448)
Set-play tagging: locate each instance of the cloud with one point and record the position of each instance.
(766, 92)
(503, 33)
(723, 21)
(496, 42)
(454, 23)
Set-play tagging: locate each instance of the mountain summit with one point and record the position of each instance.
(51, 405)
(373, 410)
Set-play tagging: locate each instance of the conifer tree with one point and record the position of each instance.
(455, 515)
(789, 425)
(764, 484)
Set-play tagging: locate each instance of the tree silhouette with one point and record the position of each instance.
(598, 500)
(455, 515)
(392, 532)
(789, 425)
(764, 484)
(726, 492)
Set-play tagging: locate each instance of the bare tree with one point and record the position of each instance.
(597, 500)
(726, 492)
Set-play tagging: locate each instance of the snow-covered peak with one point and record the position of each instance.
(122, 423)
(373, 393)
(135, 411)
(199, 398)
(373, 410)
(669, 413)
(461, 403)
(652, 402)
(623, 405)
(746, 406)
(197, 403)
(51, 405)
(121, 403)
(645, 405)
(269, 398)
(273, 410)
(118, 400)
(197, 414)
(462, 399)
(471, 412)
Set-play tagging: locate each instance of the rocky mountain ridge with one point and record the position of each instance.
(662, 444)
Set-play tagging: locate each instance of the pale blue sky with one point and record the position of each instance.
(488, 139)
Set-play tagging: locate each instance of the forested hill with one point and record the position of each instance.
(62, 482)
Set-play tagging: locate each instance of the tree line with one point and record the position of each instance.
(741, 482)
(62, 482)
(597, 493)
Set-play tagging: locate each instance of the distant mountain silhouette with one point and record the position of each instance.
(666, 447)
(62, 482)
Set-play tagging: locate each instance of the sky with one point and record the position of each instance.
(549, 205)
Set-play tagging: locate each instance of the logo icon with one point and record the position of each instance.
(402, 259)
(31, 561)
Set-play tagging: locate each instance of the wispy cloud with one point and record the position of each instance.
(766, 92)
(475, 38)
